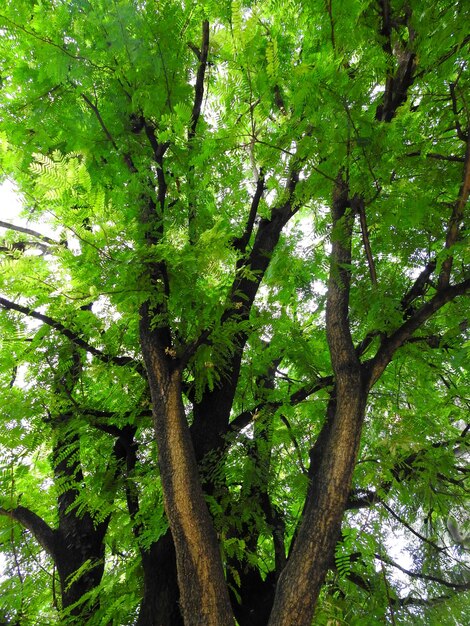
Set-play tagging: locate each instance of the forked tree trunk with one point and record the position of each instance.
(301, 580)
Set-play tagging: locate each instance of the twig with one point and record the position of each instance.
(411, 529)
(55, 45)
(95, 110)
(127, 157)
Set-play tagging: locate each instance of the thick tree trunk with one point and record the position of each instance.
(79, 540)
(203, 592)
(160, 602)
(310, 558)
(301, 580)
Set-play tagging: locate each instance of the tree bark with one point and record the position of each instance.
(301, 580)
(78, 540)
(203, 592)
(159, 606)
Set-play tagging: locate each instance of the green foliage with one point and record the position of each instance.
(86, 90)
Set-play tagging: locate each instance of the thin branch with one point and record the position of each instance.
(455, 220)
(243, 419)
(43, 533)
(438, 157)
(412, 601)
(329, 9)
(411, 529)
(32, 233)
(359, 202)
(295, 442)
(460, 134)
(127, 157)
(454, 50)
(22, 246)
(364, 498)
(396, 340)
(55, 45)
(76, 339)
(199, 87)
(95, 110)
(420, 575)
(195, 49)
(240, 243)
(389, 599)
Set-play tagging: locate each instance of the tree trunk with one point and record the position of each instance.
(79, 540)
(310, 558)
(203, 592)
(159, 606)
(301, 580)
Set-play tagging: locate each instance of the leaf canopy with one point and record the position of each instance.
(196, 175)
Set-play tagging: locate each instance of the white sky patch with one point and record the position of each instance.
(11, 208)
(10, 204)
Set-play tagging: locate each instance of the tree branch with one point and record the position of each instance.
(456, 219)
(365, 239)
(22, 246)
(420, 575)
(419, 286)
(76, 339)
(32, 233)
(243, 419)
(398, 83)
(127, 157)
(95, 110)
(55, 45)
(460, 134)
(391, 344)
(240, 243)
(411, 529)
(438, 157)
(286, 422)
(367, 498)
(199, 87)
(43, 533)
(413, 601)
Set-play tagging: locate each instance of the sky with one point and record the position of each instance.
(10, 203)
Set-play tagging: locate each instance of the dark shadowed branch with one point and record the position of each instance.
(66, 332)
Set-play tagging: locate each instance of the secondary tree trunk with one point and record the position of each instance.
(301, 580)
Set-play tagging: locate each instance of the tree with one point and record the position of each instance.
(234, 327)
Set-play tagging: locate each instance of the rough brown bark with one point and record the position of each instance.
(301, 580)
(310, 558)
(203, 592)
